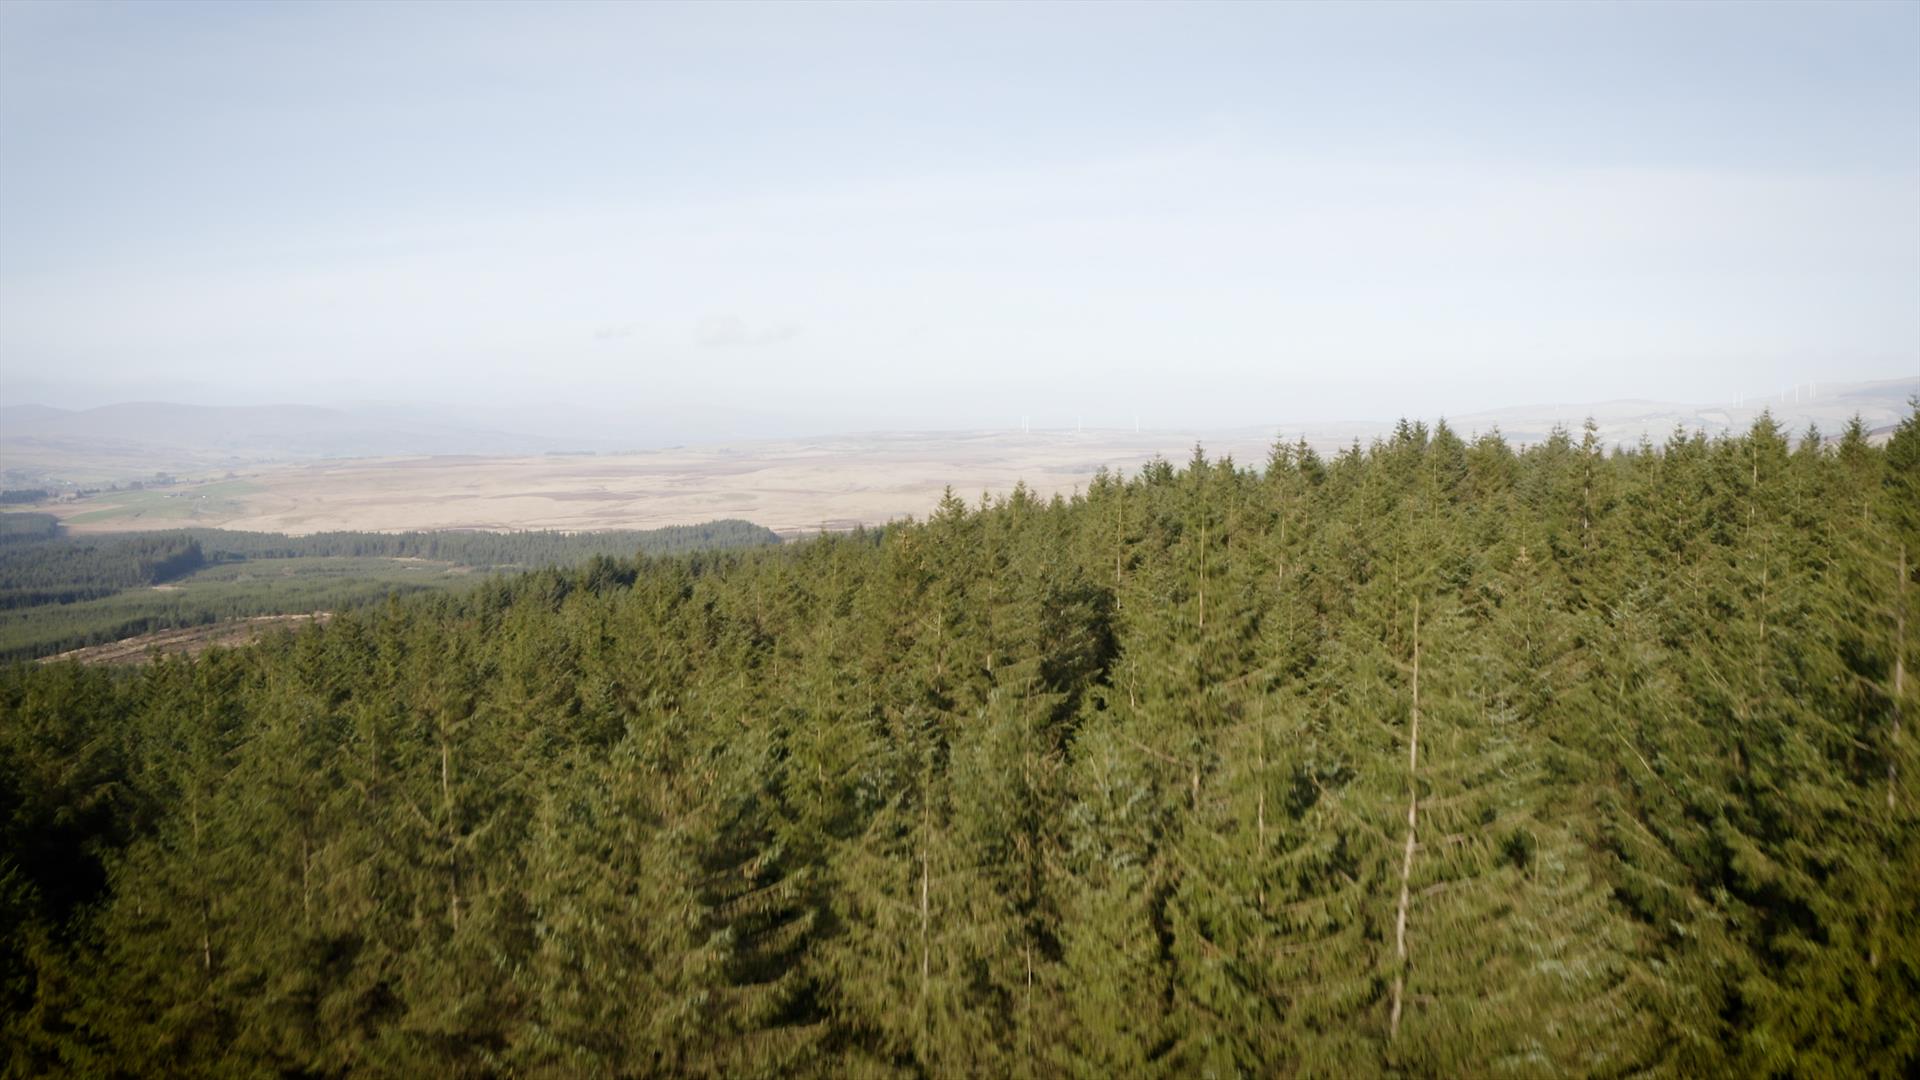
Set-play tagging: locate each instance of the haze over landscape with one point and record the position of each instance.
(303, 470)
(664, 223)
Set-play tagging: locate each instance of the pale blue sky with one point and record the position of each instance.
(732, 219)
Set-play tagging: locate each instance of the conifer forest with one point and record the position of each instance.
(1435, 757)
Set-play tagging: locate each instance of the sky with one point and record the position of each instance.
(731, 219)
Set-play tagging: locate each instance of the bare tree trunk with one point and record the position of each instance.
(1260, 814)
(1899, 691)
(926, 951)
(1413, 811)
(1260, 809)
(1283, 547)
(1764, 575)
(206, 914)
(1899, 673)
(1586, 500)
(306, 877)
(1029, 1007)
(373, 761)
(1203, 575)
(453, 852)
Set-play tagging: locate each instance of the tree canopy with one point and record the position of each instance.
(1438, 757)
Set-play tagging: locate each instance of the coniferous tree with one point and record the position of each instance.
(1436, 757)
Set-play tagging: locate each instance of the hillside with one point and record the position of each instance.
(1431, 758)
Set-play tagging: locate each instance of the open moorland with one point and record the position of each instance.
(357, 481)
(793, 487)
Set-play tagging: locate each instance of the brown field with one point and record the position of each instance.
(794, 487)
(189, 640)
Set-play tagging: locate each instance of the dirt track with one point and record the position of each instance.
(190, 640)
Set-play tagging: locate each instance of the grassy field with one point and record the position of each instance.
(313, 570)
(162, 507)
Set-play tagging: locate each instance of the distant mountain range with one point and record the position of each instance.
(135, 440)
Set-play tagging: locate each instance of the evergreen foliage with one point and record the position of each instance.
(1435, 758)
(22, 528)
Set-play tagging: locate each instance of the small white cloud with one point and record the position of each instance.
(733, 332)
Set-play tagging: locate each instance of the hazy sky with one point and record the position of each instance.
(730, 218)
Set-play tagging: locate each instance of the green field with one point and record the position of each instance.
(313, 569)
(173, 505)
